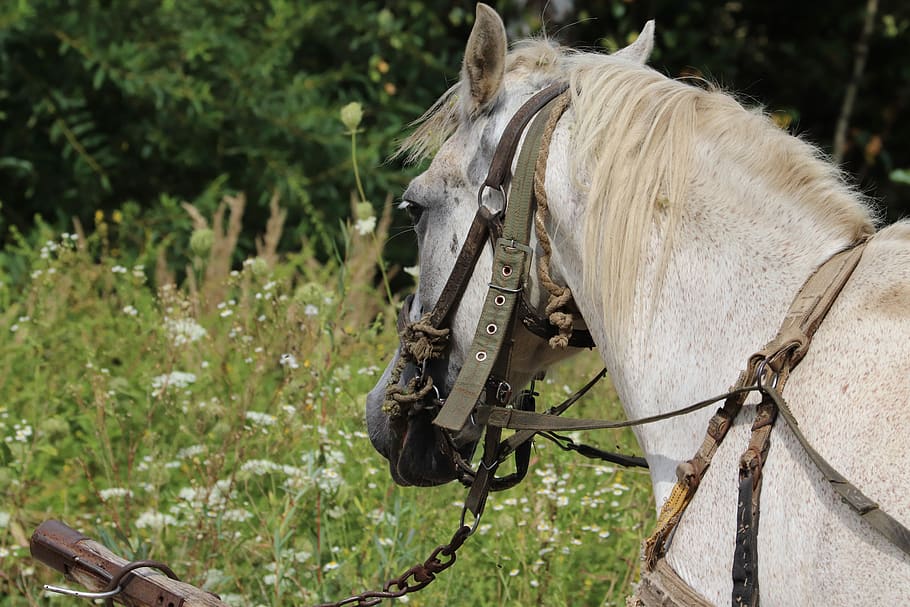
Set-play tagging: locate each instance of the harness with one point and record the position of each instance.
(482, 394)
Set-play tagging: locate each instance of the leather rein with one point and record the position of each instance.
(482, 395)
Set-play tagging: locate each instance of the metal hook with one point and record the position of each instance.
(464, 514)
(82, 594)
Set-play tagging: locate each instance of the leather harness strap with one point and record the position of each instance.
(501, 164)
(661, 586)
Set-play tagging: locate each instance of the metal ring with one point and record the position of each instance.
(760, 372)
(500, 189)
(464, 514)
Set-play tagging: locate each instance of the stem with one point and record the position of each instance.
(859, 65)
(385, 276)
(363, 197)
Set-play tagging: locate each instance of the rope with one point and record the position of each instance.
(420, 342)
(556, 309)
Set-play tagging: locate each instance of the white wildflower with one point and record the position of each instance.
(365, 226)
(114, 492)
(289, 361)
(130, 311)
(151, 519)
(191, 451)
(184, 330)
(258, 467)
(237, 515)
(260, 419)
(23, 432)
(174, 379)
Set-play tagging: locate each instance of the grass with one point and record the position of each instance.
(219, 428)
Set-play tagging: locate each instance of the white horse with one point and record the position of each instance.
(684, 225)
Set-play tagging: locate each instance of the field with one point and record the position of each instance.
(217, 426)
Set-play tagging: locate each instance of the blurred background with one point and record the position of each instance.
(132, 107)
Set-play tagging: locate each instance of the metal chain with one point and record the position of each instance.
(416, 578)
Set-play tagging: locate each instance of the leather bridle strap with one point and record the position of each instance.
(485, 223)
(501, 164)
(512, 258)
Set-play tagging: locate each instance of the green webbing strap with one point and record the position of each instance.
(861, 504)
(510, 270)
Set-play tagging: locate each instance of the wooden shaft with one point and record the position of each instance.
(90, 564)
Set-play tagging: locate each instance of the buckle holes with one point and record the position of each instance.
(491, 329)
(506, 271)
(481, 356)
(499, 300)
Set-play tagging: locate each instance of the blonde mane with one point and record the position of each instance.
(640, 131)
(634, 138)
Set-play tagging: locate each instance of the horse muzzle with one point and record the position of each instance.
(419, 453)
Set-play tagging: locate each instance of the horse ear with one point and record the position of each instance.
(484, 57)
(640, 50)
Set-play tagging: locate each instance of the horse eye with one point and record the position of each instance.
(413, 210)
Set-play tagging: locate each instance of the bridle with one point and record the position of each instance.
(484, 376)
(483, 395)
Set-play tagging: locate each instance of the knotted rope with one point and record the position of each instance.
(420, 342)
(556, 309)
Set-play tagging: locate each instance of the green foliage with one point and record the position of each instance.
(231, 445)
(107, 105)
(142, 104)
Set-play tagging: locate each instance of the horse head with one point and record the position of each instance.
(462, 131)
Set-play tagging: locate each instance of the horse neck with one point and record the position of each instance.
(742, 248)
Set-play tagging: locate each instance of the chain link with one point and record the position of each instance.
(416, 578)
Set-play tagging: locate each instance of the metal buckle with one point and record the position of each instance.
(511, 243)
(501, 390)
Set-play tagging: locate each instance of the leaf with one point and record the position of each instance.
(900, 176)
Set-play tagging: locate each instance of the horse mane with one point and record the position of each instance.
(638, 151)
(634, 142)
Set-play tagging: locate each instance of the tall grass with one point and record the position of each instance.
(218, 426)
